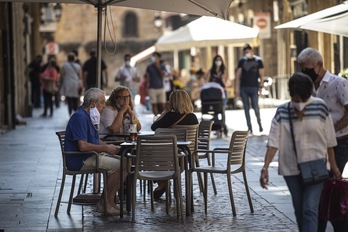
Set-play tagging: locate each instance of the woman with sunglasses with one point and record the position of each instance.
(119, 112)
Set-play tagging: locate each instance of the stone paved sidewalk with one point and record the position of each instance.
(30, 177)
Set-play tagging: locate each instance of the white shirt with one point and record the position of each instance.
(334, 91)
(313, 135)
(130, 73)
(107, 118)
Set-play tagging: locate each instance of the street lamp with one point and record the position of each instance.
(57, 11)
(158, 21)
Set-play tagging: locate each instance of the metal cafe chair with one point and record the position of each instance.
(157, 159)
(66, 171)
(235, 163)
(204, 131)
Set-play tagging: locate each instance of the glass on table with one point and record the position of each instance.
(133, 132)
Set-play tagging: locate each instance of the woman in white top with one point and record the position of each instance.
(314, 138)
(71, 78)
(119, 112)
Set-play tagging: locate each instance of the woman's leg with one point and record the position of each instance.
(296, 190)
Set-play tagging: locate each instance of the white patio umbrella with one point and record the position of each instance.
(206, 31)
(333, 20)
(217, 8)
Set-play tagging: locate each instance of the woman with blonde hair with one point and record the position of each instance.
(178, 111)
(119, 112)
(179, 106)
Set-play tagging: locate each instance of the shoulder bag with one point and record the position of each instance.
(180, 119)
(314, 171)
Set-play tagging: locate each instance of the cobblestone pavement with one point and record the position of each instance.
(30, 177)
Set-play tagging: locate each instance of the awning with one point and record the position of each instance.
(333, 20)
(142, 55)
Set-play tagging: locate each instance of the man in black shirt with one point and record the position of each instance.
(90, 72)
(249, 80)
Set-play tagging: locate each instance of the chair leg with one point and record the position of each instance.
(213, 183)
(205, 192)
(229, 182)
(60, 196)
(168, 198)
(151, 192)
(81, 183)
(199, 177)
(85, 186)
(133, 197)
(105, 192)
(248, 192)
(71, 193)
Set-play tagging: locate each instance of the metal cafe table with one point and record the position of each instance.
(183, 145)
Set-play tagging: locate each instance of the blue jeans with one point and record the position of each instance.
(251, 93)
(305, 200)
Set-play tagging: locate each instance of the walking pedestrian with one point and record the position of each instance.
(314, 136)
(249, 80)
(128, 76)
(90, 72)
(33, 71)
(334, 91)
(71, 79)
(49, 78)
(155, 73)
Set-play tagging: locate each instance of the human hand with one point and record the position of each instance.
(336, 173)
(112, 149)
(264, 178)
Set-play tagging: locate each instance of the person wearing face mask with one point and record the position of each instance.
(314, 137)
(155, 74)
(249, 83)
(128, 76)
(334, 91)
(82, 136)
(119, 112)
(218, 74)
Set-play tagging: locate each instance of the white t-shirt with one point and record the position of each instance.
(107, 118)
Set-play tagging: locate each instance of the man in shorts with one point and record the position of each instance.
(81, 135)
(155, 73)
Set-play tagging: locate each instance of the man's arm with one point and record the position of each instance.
(84, 146)
(343, 122)
(261, 76)
(237, 81)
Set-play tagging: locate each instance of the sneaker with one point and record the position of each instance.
(158, 193)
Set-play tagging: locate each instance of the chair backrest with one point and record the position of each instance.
(191, 135)
(238, 147)
(179, 132)
(61, 137)
(156, 153)
(204, 131)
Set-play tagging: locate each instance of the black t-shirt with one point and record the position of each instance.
(171, 117)
(250, 71)
(90, 66)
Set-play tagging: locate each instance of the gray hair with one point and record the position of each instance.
(309, 54)
(91, 95)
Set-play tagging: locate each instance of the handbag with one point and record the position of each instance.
(314, 171)
(334, 200)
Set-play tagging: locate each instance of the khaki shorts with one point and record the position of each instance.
(157, 96)
(106, 162)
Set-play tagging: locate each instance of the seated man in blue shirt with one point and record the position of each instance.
(82, 135)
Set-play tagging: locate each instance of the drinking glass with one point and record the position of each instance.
(133, 132)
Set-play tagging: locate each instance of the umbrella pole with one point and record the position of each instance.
(99, 35)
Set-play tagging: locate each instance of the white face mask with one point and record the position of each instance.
(249, 55)
(127, 63)
(95, 115)
(218, 63)
(300, 105)
(152, 58)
